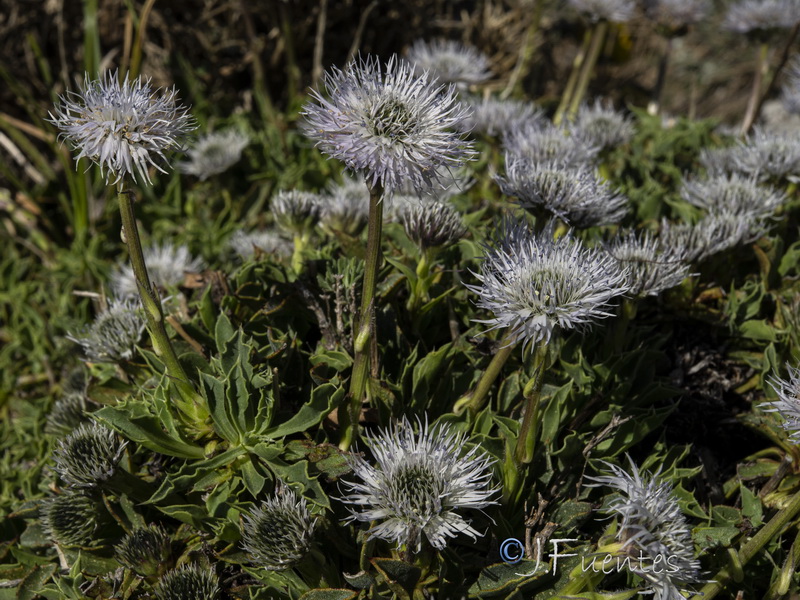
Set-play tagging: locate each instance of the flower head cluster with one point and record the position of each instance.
(494, 117)
(575, 195)
(432, 223)
(534, 284)
(615, 11)
(388, 124)
(214, 153)
(295, 211)
(70, 518)
(189, 582)
(600, 126)
(449, 61)
(420, 483)
(761, 16)
(88, 456)
(167, 266)
(651, 266)
(546, 143)
(732, 193)
(277, 534)
(788, 403)
(269, 242)
(114, 333)
(144, 550)
(123, 128)
(654, 528)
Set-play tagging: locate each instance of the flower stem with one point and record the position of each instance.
(752, 547)
(526, 442)
(191, 404)
(755, 93)
(365, 323)
(598, 36)
(475, 400)
(573, 79)
(655, 102)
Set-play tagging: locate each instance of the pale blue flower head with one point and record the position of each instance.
(449, 61)
(653, 531)
(652, 267)
(388, 124)
(124, 128)
(167, 265)
(114, 333)
(420, 484)
(616, 11)
(761, 16)
(734, 193)
(88, 456)
(214, 153)
(543, 142)
(188, 582)
(534, 285)
(598, 125)
(788, 402)
(493, 116)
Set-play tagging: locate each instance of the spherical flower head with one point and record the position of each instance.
(534, 285)
(388, 124)
(114, 333)
(676, 15)
(575, 194)
(654, 528)
(268, 242)
(546, 143)
(214, 153)
(432, 223)
(769, 155)
(495, 117)
(67, 413)
(69, 519)
(714, 233)
(761, 17)
(419, 485)
(88, 456)
(295, 211)
(346, 210)
(189, 582)
(651, 267)
(144, 550)
(123, 128)
(277, 534)
(734, 193)
(600, 126)
(449, 61)
(615, 11)
(788, 403)
(167, 266)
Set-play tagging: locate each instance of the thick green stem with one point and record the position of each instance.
(573, 79)
(526, 442)
(475, 400)
(191, 405)
(300, 242)
(365, 323)
(753, 547)
(752, 104)
(598, 36)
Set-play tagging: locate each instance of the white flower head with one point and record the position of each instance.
(575, 194)
(714, 233)
(269, 242)
(766, 154)
(449, 61)
(123, 128)
(420, 483)
(788, 403)
(277, 534)
(114, 333)
(600, 126)
(761, 16)
(387, 124)
(167, 266)
(732, 193)
(346, 209)
(616, 11)
(295, 211)
(653, 527)
(88, 456)
(651, 266)
(188, 582)
(534, 285)
(494, 117)
(545, 143)
(432, 223)
(214, 153)
(676, 14)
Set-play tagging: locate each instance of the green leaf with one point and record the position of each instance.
(298, 473)
(323, 399)
(427, 376)
(34, 581)
(252, 478)
(147, 431)
(500, 579)
(329, 594)
(400, 576)
(710, 537)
